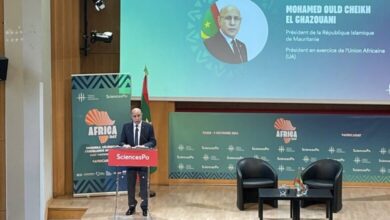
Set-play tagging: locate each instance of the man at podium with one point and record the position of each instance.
(137, 133)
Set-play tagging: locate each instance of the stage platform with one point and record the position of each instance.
(193, 202)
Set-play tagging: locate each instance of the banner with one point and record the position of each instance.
(100, 107)
(208, 145)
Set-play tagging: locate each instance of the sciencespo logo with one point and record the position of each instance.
(101, 125)
(285, 130)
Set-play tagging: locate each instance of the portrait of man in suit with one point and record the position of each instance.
(224, 45)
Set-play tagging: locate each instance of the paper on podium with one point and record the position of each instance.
(141, 147)
(126, 146)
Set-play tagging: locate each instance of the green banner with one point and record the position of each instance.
(208, 145)
(100, 107)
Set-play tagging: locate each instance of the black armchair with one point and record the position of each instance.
(325, 174)
(253, 174)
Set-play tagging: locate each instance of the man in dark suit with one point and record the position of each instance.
(224, 45)
(137, 133)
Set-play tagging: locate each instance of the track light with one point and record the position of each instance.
(105, 37)
(94, 36)
(99, 4)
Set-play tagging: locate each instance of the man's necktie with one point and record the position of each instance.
(235, 48)
(136, 136)
(236, 51)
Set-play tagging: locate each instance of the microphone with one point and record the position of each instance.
(142, 137)
(145, 141)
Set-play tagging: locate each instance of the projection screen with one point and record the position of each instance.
(258, 51)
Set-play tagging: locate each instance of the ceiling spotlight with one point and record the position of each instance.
(99, 4)
(105, 37)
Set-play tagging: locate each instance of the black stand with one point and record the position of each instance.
(116, 194)
(148, 195)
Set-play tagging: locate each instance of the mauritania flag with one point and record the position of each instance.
(145, 99)
(146, 116)
(210, 22)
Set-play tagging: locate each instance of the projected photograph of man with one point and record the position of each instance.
(227, 34)
(224, 45)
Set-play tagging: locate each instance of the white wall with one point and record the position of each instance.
(28, 108)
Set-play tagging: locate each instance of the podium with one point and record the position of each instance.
(132, 157)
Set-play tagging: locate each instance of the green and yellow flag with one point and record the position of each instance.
(145, 99)
(210, 22)
(145, 107)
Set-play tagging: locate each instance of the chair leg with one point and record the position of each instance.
(336, 207)
(240, 204)
(240, 207)
(337, 202)
(240, 198)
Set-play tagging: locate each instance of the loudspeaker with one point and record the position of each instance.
(3, 68)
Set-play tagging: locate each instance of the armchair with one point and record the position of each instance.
(253, 174)
(325, 174)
